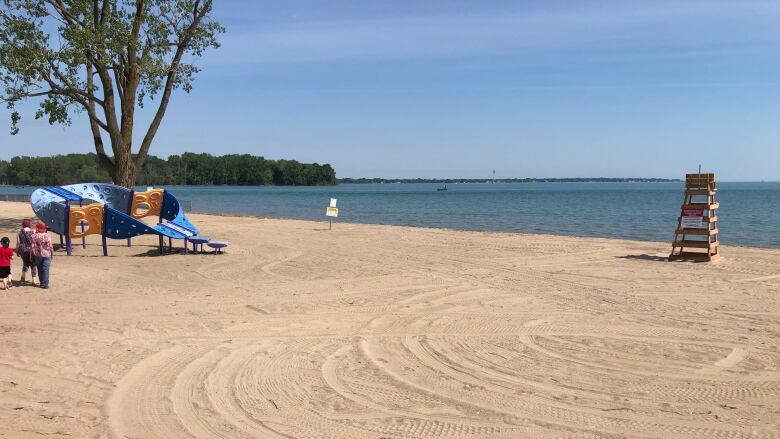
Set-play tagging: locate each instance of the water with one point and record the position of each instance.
(749, 213)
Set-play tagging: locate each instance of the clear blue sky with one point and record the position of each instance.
(458, 88)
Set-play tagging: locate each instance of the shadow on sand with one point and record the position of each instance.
(645, 257)
(155, 252)
(11, 224)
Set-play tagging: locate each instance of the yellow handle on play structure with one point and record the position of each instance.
(148, 203)
(89, 218)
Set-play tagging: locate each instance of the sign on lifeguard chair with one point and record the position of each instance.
(697, 225)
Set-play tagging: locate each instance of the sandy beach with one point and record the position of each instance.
(371, 331)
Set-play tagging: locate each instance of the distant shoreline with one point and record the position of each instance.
(428, 180)
(507, 180)
(441, 181)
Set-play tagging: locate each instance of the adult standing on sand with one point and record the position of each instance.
(24, 250)
(42, 252)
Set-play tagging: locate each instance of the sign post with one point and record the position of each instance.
(332, 212)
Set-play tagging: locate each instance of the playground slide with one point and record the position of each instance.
(115, 212)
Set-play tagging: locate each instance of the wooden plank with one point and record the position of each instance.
(701, 192)
(696, 231)
(699, 180)
(712, 206)
(695, 257)
(695, 244)
(710, 219)
(705, 177)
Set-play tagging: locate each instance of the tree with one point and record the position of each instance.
(105, 58)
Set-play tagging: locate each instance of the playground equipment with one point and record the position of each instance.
(113, 212)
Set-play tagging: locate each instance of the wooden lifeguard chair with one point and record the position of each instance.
(697, 225)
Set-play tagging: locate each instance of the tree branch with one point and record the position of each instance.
(60, 7)
(104, 12)
(58, 73)
(119, 78)
(170, 80)
(94, 123)
(71, 93)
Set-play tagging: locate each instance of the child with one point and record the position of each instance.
(6, 254)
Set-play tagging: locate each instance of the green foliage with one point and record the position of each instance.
(57, 170)
(4, 165)
(185, 169)
(103, 58)
(37, 58)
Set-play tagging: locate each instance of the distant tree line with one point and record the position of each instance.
(503, 180)
(185, 169)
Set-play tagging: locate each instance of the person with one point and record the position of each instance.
(42, 251)
(24, 250)
(6, 254)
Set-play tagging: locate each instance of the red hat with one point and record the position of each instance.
(40, 226)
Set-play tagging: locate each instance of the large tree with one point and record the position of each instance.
(103, 58)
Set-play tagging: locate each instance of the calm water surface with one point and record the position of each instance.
(749, 214)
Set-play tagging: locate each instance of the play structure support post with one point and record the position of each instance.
(129, 209)
(159, 221)
(61, 244)
(83, 238)
(68, 246)
(105, 230)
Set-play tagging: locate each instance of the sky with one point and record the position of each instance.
(459, 88)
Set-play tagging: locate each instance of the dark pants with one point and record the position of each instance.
(28, 262)
(43, 265)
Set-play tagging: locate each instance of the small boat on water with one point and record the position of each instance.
(442, 189)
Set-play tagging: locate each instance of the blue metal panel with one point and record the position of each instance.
(114, 196)
(50, 208)
(119, 225)
(64, 193)
(55, 217)
(171, 206)
(40, 198)
(173, 212)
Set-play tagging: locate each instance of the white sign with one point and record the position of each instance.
(333, 202)
(332, 211)
(692, 219)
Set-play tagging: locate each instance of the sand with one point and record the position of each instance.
(388, 332)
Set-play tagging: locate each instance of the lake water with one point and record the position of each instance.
(749, 213)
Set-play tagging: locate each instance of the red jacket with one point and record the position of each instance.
(5, 256)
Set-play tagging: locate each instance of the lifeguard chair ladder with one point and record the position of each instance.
(699, 186)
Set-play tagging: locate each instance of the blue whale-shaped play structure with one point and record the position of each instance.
(114, 212)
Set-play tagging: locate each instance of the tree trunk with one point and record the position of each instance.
(124, 171)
